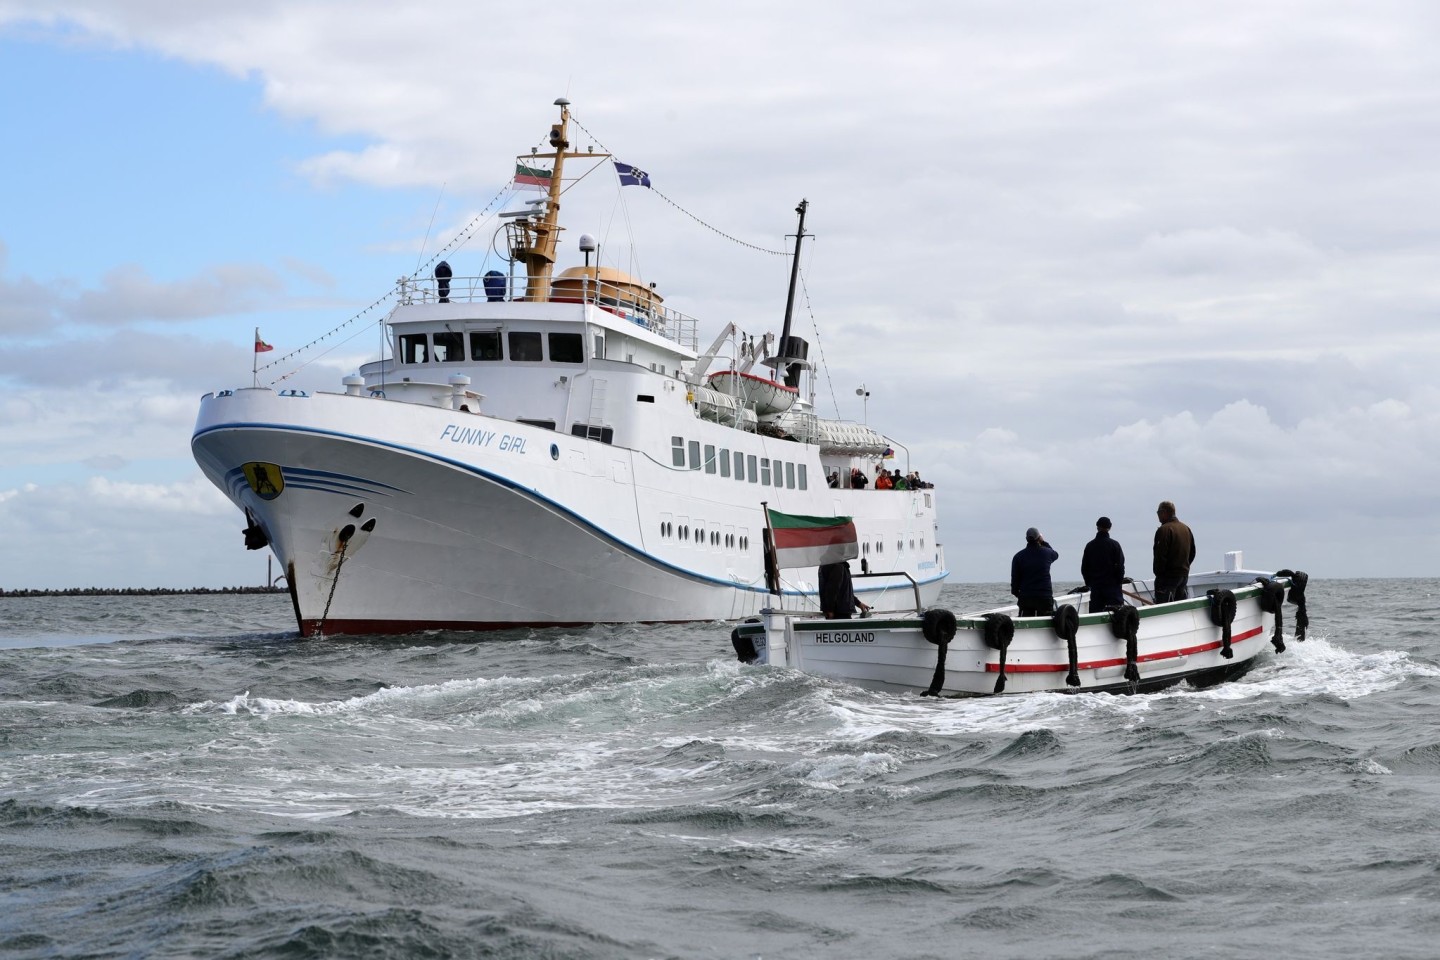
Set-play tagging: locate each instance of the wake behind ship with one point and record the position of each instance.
(554, 449)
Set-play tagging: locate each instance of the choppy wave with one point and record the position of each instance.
(633, 791)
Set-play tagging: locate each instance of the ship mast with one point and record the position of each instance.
(790, 356)
(794, 275)
(534, 241)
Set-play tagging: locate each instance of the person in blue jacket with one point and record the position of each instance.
(1030, 576)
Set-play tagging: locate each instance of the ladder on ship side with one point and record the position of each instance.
(595, 423)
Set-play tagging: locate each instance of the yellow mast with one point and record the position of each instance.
(533, 242)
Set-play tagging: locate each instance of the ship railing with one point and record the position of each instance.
(880, 614)
(496, 287)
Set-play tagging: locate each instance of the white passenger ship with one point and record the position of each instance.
(553, 450)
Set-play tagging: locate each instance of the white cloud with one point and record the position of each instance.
(1085, 255)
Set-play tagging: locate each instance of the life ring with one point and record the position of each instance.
(938, 625)
(1222, 614)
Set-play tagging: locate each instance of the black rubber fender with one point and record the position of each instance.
(1222, 614)
(1124, 622)
(938, 625)
(1298, 581)
(999, 631)
(1125, 625)
(1066, 624)
(1272, 600)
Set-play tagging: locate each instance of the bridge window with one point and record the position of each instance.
(485, 345)
(449, 347)
(567, 348)
(677, 451)
(709, 458)
(525, 346)
(790, 475)
(414, 348)
(804, 485)
(765, 471)
(694, 447)
(724, 463)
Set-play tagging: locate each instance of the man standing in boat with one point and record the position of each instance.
(1103, 569)
(837, 592)
(1030, 576)
(1174, 552)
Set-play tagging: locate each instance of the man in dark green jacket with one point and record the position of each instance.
(1174, 552)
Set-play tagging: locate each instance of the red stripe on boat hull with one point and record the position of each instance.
(1113, 662)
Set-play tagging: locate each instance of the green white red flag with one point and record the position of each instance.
(531, 178)
(811, 541)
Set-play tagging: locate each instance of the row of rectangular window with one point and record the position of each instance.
(525, 346)
(761, 470)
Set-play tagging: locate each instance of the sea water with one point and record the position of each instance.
(184, 777)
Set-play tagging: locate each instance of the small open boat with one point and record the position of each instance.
(1233, 616)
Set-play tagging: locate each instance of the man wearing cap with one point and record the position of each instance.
(1174, 552)
(1030, 576)
(1102, 567)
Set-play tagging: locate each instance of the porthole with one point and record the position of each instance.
(554, 451)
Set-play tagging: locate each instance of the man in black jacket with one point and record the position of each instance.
(1103, 569)
(1030, 576)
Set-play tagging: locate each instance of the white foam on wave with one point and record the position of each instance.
(381, 701)
(863, 714)
(836, 771)
(1318, 666)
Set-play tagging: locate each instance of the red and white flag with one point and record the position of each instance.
(260, 345)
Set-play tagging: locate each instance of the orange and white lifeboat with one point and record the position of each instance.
(760, 394)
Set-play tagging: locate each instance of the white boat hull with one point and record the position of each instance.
(1175, 642)
(389, 525)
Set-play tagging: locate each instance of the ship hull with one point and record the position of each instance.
(384, 523)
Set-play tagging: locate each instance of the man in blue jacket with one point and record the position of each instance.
(1030, 576)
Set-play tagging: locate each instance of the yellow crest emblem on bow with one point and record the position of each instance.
(265, 479)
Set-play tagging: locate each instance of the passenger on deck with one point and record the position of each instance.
(1174, 552)
(883, 481)
(834, 478)
(1103, 569)
(1030, 576)
(858, 480)
(442, 281)
(899, 482)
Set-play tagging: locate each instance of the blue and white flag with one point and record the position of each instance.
(631, 176)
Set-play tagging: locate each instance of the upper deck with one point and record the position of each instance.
(622, 307)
